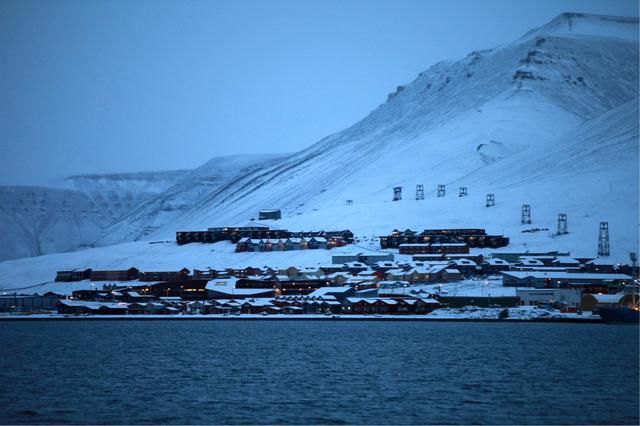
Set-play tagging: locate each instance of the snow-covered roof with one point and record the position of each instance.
(565, 275)
(437, 262)
(430, 301)
(93, 305)
(464, 262)
(565, 259)
(531, 262)
(392, 283)
(262, 301)
(338, 274)
(221, 283)
(324, 291)
(496, 261)
(600, 261)
(608, 298)
(360, 299)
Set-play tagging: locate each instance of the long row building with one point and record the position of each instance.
(471, 237)
(235, 234)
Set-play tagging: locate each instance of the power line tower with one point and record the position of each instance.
(526, 214)
(419, 192)
(463, 191)
(562, 224)
(441, 191)
(491, 200)
(397, 193)
(603, 240)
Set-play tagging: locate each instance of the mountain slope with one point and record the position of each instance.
(197, 186)
(565, 177)
(73, 213)
(453, 120)
(79, 211)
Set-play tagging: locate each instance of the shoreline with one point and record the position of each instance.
(249, 317)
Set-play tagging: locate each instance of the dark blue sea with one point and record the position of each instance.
(324, 372)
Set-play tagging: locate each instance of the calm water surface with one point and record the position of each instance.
(114, 372)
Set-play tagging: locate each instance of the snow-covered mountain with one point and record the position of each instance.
(76, 212)
(549, 120)
(195, 187)
(72, 212)
(525, 99)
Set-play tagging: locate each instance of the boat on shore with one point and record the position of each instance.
(620, 315)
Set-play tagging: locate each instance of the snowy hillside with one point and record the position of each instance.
(73, 212)
(78, 211)
(524, 99)
(550, 120)
(123, 184)
(196, 186)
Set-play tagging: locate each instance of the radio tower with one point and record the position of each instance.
(603, 240)
(526, 214)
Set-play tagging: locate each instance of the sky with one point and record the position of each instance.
(96, 86)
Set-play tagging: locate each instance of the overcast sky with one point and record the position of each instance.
(90, 86)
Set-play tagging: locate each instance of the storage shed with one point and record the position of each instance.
(273, 214)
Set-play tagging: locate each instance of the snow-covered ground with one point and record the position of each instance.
(151, 257)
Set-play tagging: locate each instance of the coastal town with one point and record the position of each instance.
(434, 273)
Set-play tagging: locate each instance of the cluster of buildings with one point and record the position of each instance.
(263, 238)
(469, 237)
(326, 300)
(356, 283)
(284, 244)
